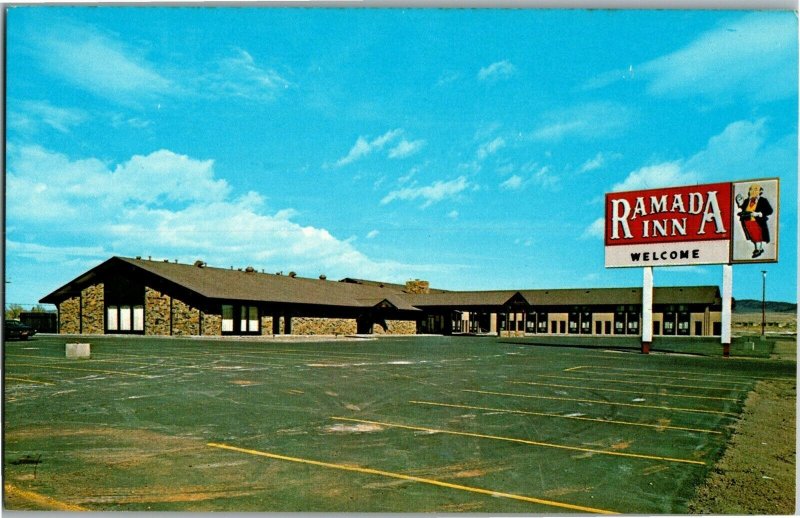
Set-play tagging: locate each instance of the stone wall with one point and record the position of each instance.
(156, 312)
(322, 326)
(266, 324)
(185, 319)
(93, 309)
(212, 324)
(396, 327)
(69, 316)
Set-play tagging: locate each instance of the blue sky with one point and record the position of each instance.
(471, 148)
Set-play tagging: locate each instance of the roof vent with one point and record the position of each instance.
(322, 277)
(250, 269)
(166, 260)
(138, 257)
(199, 263)
(292, 275)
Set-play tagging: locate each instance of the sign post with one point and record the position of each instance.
(727, 303)
(721, 223)
(647, 309)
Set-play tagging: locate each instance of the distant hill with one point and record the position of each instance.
(753, 306)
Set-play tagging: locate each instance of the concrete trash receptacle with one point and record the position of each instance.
(78, 350)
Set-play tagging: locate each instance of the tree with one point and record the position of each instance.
(13, 311)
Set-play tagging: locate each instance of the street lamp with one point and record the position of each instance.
(763, 303)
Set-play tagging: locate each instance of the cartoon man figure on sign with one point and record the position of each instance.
(755, 211)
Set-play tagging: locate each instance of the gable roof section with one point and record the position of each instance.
(225, 284)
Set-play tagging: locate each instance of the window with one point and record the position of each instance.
(542, 318)
(573, 322)
(227, 318)
(669, 323)
(112, 313)
(619, 323)
(633, 323)
(125, 319)
(586, 322)
(249, 320)
(683, 324)
(138, 318)
(530, 323)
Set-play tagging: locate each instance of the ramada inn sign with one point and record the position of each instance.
(718, 223)
(700, 224)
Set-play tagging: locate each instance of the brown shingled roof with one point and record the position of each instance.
(228, 284)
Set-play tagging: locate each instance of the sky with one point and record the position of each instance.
(468, 147)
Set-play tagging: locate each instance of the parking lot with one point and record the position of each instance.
(414, 424)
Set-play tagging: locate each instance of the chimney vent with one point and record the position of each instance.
(322, 277)
(250, 269)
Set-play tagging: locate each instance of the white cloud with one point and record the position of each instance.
(404, 148)
(240, 76)
(34, 113)
(590, 120)
(489, 148)
(497, 71)
(372, 234)
(512, 183)
(734, 153)
(453, 214)
(593, 163)
(654, 176)
(433, 193)
(95, 62)
(364, 147)
(542, 176)
(596, 230)
(166, 205)
(753, 57)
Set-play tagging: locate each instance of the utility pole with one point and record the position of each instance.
(763, 304)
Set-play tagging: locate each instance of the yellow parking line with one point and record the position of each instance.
(626, 382)
(580, 418)
(667, 377)
(525, 441)
(623, 391)
(576, 368)
(601, 402)
(29, 380)
(44, 501)
(746, 378)
(411, 478)
(75, 369)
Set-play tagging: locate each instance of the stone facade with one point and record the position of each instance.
(212, 324)
(396, 327)
(69, 316)
(322, 326)
(185, 319)
(156, 312)
(266, 324)
(93, 309)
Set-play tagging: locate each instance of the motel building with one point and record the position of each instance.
(163, 298)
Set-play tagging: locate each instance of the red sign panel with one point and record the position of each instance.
(669, 215)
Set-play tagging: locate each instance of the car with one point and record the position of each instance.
(18, 330)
